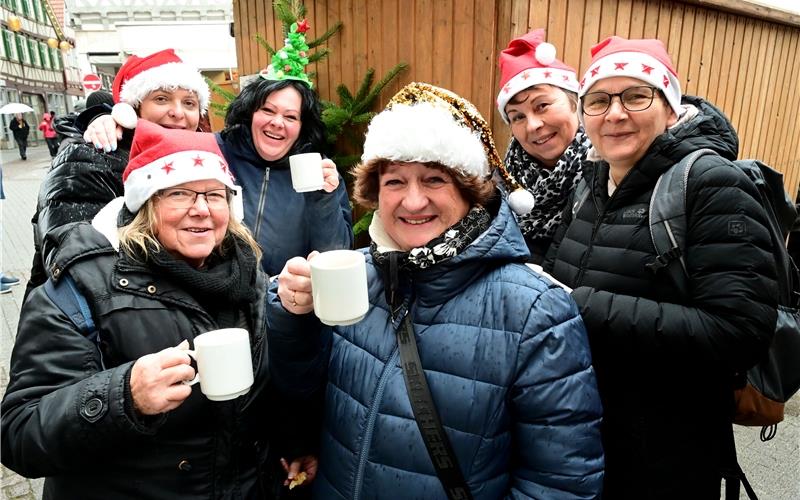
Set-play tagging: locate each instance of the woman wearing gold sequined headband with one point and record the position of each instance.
(502, 351)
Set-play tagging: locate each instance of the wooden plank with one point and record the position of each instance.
(360, 42)
(574, 27)
(557, 24)
(752, 76)
(391, 45)
(510, 24)
(623, 27)
(484, 74)
(737, 48)
(538, 14)
(591, 36)
(779, 95)
(767, 94)
(517, 25)
(684, 57)
(261, 57)
(752, 10)
(664, 22)
(348, 48)
(443, 43)
(463, 14)
(322, 67)
(608, 24)
(740, 104)
(334, 44)
(252, 29)
(786, 140)
(423, 28)
(637, 20)
(237, 33)
(720, 60)
(707, 54)
(675, 34)
(651, 19)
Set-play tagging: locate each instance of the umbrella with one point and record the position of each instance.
(15, 107)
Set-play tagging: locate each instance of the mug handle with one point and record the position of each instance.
(196, 379)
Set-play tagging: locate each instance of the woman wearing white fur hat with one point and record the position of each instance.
(159, 88)
(667, 358)
(109, 417)
(539, 100)
(503, 351)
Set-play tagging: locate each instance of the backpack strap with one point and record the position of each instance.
(668, 220)
(70, 300)
(580, 195)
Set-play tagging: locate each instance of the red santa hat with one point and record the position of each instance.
(528, 61)
(163, 70)
(161, 158)
(644, 59)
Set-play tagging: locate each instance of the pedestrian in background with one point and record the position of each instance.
(667, 361)
(20, 129)
(503, 350)
(539, 100)
(50, 136)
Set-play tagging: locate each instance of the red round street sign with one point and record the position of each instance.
(91, 82)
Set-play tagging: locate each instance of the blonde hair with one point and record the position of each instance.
(139, 237)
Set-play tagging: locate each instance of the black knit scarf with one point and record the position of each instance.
(223, 286)
(549, 187)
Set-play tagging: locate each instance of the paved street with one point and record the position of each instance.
(773, 467)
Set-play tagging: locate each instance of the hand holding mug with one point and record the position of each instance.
(330, 176)
(156, 380)
(224, 363)
(294, 285)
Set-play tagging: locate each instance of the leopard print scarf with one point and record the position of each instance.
(549, 187)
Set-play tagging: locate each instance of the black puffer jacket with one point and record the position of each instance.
(81, 181)
(66, 418)
(666, 363)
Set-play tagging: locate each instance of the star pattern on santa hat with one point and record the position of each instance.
(595, 70)
(507, 89)
(167, 167)
(224, 167)
(548, 74)
(583, 80)
(620, 66)
(565, 77)
(666, 81)
(525, 75)
(198, 161)
(646, 69)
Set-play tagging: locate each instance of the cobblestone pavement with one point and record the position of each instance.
(773, 467)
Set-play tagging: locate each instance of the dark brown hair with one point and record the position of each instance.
(476, 190)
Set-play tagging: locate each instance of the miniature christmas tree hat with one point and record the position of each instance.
(289, 62)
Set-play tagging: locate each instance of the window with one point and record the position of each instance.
(39, 8)
(44, 54)
(55, 58)
(22, 47)
(33, 50)
(26, 8)
(10, 45)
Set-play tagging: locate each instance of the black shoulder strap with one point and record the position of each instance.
(430, 426)
(667, 215)
(579, 197)
(70, 300)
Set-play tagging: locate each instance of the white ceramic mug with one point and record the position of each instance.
(306, 171)
(224, 363)
(339, 287)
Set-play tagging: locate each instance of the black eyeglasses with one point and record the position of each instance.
(636, 98)
(186, 198)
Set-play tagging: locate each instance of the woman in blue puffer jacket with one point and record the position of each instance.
(503, 350)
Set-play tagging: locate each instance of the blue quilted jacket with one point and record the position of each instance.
(507, 359)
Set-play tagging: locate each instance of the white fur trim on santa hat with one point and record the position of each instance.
(534, 76)
(166, 76)
(172, 170)
(424, 132)
(635, 65)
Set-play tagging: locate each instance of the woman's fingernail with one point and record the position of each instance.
(98, 145)
(113, 147)
(107, 149)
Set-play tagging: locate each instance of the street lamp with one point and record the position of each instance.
(64, 46)
(52, 43)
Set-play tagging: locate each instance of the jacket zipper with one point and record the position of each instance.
(262, 197)
(600, 216)
(371, 417)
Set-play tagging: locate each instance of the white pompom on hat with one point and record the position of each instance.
(162, 70)
(161, 158)
(644, 59)
(528, 61)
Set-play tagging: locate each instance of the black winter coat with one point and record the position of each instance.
(81, 181)
(666, 363)
(66, 418)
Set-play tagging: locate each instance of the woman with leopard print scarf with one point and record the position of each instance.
(543, 163)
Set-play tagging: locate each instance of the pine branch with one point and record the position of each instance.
(225, 94)
(316, 56)
(370, 99)
(263, 42)
(345, 97)
(363, 90)
(363, 223)
(324, 37)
